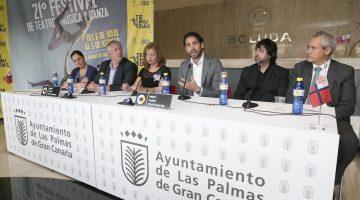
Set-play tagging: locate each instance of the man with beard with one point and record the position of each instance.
(263, 80)
(201, 71)
(119, 72)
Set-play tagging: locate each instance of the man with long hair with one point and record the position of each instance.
(265, 79)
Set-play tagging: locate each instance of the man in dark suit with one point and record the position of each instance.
(203, 72)
(342, 89)
(119, 72)
(263, 80)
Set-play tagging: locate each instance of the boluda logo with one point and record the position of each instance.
(21, 126)
(135, 159)
(140, 22)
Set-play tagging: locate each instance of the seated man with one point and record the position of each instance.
(340, 78)
(203, 72)
(263, 80)
(118, 71)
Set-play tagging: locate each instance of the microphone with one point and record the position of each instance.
(183, 96)
(134, 93)
(85, 90)
(248, 104)
(129, 101)
(70, 89)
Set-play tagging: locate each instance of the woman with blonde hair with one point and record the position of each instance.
(149, 78)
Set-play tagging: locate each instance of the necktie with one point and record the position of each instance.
(313, 82)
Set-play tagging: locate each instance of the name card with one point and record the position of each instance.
(154, 100)
(50, 91)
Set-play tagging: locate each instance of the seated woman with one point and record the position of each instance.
(149, 77)
(83, 73)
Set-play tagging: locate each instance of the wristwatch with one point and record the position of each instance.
(199, 91)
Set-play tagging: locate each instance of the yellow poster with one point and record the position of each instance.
(5, 62)
(140, 28)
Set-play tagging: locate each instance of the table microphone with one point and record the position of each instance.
(85, 90)
(128, 101)
(248, 104)
(134, 93)
(183, 96)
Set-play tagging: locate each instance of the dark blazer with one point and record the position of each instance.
(210, 77)
(125, 73)
(341, 84)
(275, 84)
(91, 73)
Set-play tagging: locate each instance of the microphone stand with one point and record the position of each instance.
(128, 101)
(134, 93)
(68, 96)
(183, 96)
(248, 104)
(85, 90)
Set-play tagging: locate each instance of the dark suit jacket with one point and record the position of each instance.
(275, 84)
(341, 84)
(125, 73)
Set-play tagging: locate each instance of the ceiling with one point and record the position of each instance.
(173, 4)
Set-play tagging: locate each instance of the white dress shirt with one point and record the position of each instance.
(197, 71)
(324, 69)
(112, 74)
(323, 72)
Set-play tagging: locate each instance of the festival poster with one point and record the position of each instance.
(43, 33)
(140, 25)
(5, 61)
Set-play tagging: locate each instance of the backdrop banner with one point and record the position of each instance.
(5, 61)
(44, 33)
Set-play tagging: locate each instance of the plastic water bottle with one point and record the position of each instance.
(224, 86)
(55, 79)
(166, 84)
(298, 97)
(70, 82)
(102, 85)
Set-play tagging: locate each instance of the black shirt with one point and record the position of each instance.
(152, 79)
(261, 78)
(273, 82)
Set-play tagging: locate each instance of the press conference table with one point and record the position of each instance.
(195, 150)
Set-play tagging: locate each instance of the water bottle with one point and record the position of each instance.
(55, 79)
(224, 85)
(102, 85)
(166, 84)
(70, 82)
(298, 97)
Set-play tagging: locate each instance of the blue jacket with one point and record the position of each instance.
(91, 73)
